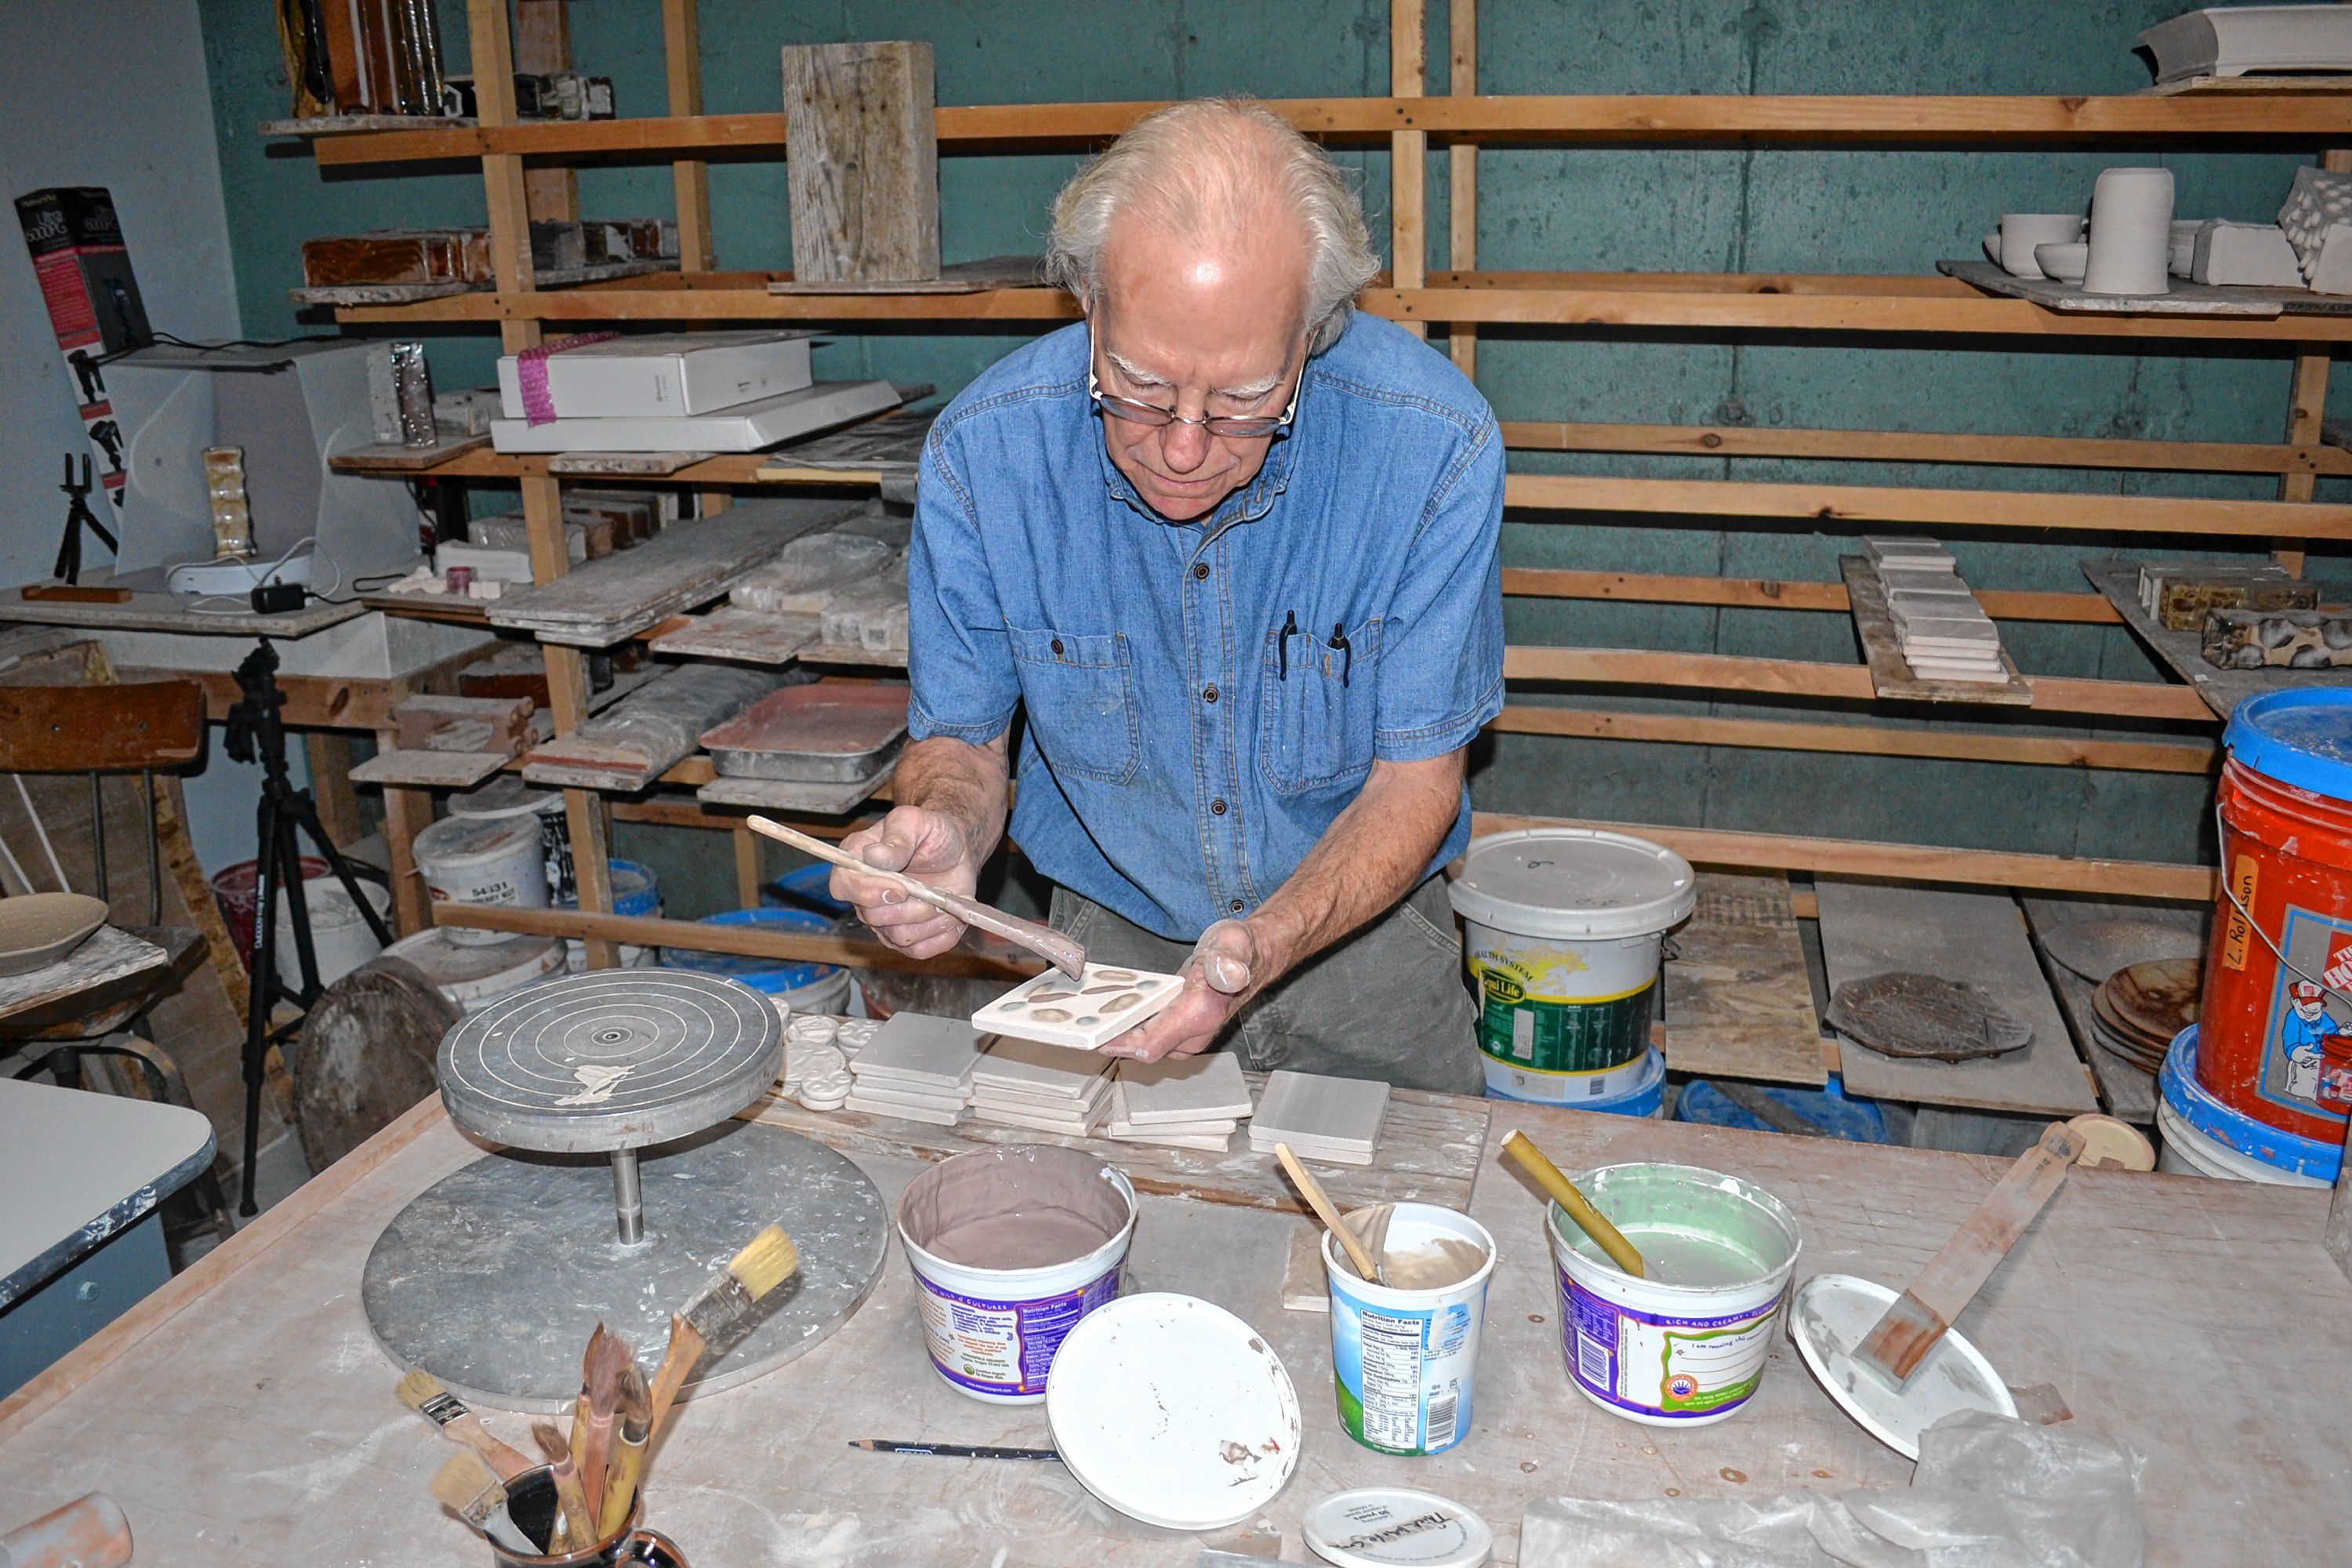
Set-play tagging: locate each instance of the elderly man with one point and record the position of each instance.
(1232, 548)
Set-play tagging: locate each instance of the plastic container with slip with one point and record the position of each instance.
(1564, 932)
(1011, 1248)
(637, 892)
(1404, 1355)
(2275, 1039)
(482, 861)
(2202, 1137)
(1683, 1346)
(796, 987)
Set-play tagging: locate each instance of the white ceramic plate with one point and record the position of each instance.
(1833, 1313)
(1173, 1411)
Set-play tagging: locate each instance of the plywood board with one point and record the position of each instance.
(2222, 689)
(2184, 299)
(430, 770)
(753, 636)
(1891, 675)
(1738, 1004)
(2128, 1093)
(600, 602)
(378, 457)
(1869, 928)
(109, 955)
(161, 612)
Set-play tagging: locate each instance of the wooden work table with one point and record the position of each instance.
(244, 1413)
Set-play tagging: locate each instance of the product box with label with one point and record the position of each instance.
(661, 375)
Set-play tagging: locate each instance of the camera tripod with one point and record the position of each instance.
(256, 733)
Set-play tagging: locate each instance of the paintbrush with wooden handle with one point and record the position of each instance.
(722, 1305)
(628, 1461)
(422, 1392)
(592, 1417)
(1043, 940)
(577, 1526)
(469, 1488)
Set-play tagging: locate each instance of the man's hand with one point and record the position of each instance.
(1222, 974)
(928, 845)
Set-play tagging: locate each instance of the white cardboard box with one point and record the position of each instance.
(745, 429)
(664, 375)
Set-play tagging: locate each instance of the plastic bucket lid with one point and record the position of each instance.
(769, 974)
(474, 840)
(1573, 882)
(2184, 1150)
(1395, 1527)
(2273, 1146)
(2301, 736)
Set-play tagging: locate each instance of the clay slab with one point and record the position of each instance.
(903, 1112)
(1205, 1087)
(1050, 1008)
(1309, 1107)
(1035, 1067)
(883, 1092)
(1072, 1127)
(920, 1049)
(1211, 1144)
(1950, 628)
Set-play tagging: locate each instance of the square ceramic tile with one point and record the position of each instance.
(1123, 1124)
(905, 1112)
(1950, 628)
(1035, 1067)
(1330, 1112)
(1068, 1126)
(884, 1092)
(920, 1049)
(1107, 1003)
(1205, 1087)
(1880, 547)
(1208, 1143)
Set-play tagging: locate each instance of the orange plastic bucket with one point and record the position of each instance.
(2276, 1037)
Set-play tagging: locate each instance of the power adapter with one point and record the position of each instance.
(277, 598)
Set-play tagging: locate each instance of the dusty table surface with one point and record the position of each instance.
(244, 1414)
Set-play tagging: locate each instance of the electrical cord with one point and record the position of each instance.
(242, 603)
(221, 347)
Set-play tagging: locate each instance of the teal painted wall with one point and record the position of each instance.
(1679, 210)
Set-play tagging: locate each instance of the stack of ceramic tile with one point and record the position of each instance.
(1047, 1088)
(1183, 1102)
(916, 1068)
(1335, 1120)
(1944, 632)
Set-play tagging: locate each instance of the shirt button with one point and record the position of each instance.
(1200, 571)
(1216, 808)
(1208, 694)
(1235, 906)
(1057, 647)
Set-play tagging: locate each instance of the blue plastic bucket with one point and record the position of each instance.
(636, 891)
(1827, 1108)
(1647, 1097)
(802, 987)
(805, 889)
(2205, 1118)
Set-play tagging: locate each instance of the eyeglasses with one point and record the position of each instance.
(1242, 428)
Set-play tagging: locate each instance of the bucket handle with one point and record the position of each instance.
(2255, 926)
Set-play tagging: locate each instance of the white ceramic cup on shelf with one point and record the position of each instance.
(2131, 233)
(2013, 245)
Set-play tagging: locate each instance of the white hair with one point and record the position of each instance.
(1213, 166)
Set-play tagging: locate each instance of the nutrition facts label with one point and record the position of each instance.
(1393, 1379)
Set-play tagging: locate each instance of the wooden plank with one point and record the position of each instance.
(328, 753)
(110, 955)
(406, 814)
(646, 931)
(1910, 862)
(379, 459)
(1782, 594)
(1625, 119)
(159, 612)
(1462, 171)
(1807, 677)
(752, 637)
(2182, 299)
(1861, 739)
(1882, 650)
(543, 46)
(689, 178)
(865, 186)
(2296, 455)
(429, 770)
(2127, 1090)
(600, 602)
(1407, 149)
(2041, 509)
(72, 729)
(2182, 652)
(1738, 1001)
(1873, 928)
(954, 277)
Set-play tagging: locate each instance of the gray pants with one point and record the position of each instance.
(1389, 1003)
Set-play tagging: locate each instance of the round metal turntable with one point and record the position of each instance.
(493, 1278)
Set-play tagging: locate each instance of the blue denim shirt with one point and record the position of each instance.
(1182, 754)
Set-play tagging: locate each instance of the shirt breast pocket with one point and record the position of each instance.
(1080, 693)
(1321, 703)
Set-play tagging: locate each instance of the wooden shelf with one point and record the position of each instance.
(1600, 120)
(1931, 447)
(731, 470)
(1867, 740)
(1781, 593)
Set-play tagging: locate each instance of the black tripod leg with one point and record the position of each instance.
(261, 994)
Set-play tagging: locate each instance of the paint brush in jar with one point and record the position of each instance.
(719, 1308)
(422, 1392)
(592, 1417)
(468, 1488)
(577, 1528)
(628, 1462)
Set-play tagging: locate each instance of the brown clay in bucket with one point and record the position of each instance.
(1027, 1208)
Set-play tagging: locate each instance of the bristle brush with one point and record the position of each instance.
(719, 1308)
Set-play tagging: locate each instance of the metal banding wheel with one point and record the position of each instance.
(608, 1062)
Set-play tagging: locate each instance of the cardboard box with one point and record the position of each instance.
(662, 375)
(747, 428)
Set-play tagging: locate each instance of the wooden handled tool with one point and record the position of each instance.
(422, 1392)
(1921, 1315)
(578, 1529)
(1047, 944)
(766, 1262)
(1321, 1205)
(1580, 1208)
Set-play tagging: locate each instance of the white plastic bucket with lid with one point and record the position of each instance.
(1404, 1363)
(2183, 1151)
(1061, 1219)
(507, 795)
(340, 938)
(473, 975)
(483, 860)
(1683, 1346)
(1564, 929)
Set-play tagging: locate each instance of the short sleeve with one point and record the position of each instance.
(1441, 647)
(959, 660)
